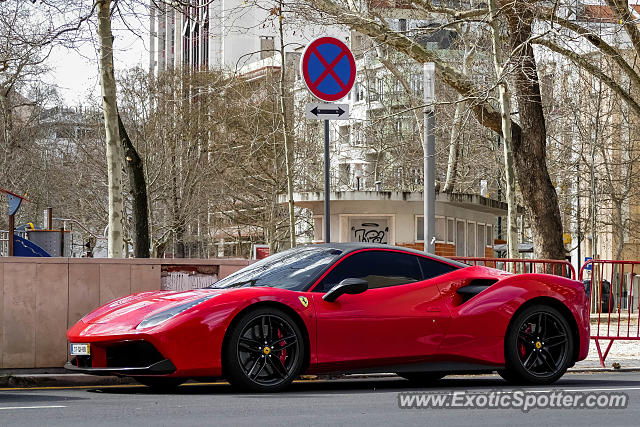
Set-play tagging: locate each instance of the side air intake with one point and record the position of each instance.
(474, 287)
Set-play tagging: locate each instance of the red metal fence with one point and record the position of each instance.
(614, 301)
(519, 266)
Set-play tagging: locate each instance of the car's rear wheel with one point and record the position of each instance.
(160, 383)
(538, 346)
(422, 377)
(264, 352)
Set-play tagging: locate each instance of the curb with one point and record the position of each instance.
(61, 380)
(84, 380)
(603, 370)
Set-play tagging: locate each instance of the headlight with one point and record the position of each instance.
(163, 316)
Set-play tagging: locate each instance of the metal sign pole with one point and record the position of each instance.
(12, 230)
(327, 195)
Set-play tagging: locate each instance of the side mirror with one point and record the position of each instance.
(349, 286)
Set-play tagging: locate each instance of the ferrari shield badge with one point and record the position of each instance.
(304, 301)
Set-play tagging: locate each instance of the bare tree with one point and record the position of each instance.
(529, 136)
(505, 110)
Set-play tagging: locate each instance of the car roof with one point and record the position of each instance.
(348, 247)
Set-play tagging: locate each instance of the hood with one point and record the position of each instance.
(134, 308)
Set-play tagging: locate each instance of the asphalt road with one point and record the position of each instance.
(353, 402)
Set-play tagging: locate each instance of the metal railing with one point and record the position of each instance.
(4, 241)
(614, 300)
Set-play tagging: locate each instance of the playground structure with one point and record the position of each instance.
(30, 241)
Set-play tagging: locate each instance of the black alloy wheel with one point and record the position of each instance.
(265, 351)
(538, 346)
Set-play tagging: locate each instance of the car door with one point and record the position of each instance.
(399, 319)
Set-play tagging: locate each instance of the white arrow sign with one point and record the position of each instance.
(318, 111)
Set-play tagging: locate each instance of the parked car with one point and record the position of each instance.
(341, 308)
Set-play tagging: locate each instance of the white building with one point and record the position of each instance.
(224, 34)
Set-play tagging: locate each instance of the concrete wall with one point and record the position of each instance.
(40, 298)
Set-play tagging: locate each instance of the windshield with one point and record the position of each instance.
(293, 269)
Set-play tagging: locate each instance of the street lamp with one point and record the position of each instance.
(429, 148)
(358, 171)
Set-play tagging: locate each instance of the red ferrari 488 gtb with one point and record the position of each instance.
(341, 308)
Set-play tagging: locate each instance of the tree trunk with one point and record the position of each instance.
(505, 112)
(287, 136)
(138, 191)
(456, 130)
(529, 140)
(454, 147)
(178, 225)
(618, 228)
(110, 112)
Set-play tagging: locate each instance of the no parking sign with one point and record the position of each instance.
(329, 71)
(328, 68)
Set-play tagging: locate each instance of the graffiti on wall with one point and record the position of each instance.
(370, 231)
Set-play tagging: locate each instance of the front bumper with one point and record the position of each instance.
(126, 357)
(163, 367)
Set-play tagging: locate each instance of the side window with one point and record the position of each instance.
(379, 268)
(432, 268)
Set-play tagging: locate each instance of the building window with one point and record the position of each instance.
(451, 230)
(460, 238)
(357, 135)
(318, 228)
(481, 239)
(471, 239)
(419, 228)
(343, 134)
(402, 25)
(489, 235)
(441, 229)
(441, 232)
(205, 43)
(359, 92)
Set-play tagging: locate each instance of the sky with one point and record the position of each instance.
(75, 72)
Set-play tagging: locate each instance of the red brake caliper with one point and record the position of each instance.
(521, 347)
(283, 353)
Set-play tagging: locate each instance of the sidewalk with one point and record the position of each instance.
(622, 355)
(46, 378)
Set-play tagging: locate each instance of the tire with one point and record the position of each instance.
(422, 377)
(161, 383)
(538, 346)
(264, 351)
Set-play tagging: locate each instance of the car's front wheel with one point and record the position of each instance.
(264, 352)
(538, 346)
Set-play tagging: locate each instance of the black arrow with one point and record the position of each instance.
(339, 111)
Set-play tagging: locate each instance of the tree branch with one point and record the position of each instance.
(597, 42)
(588, 66)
